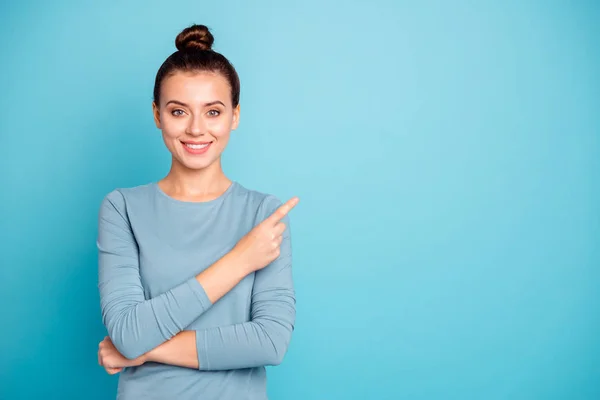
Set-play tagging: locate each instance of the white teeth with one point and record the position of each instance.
(196, 146)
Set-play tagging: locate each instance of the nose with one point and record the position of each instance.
(196, 126)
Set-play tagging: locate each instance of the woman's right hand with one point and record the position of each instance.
(260, 246)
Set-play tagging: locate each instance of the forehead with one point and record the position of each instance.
(195, 88)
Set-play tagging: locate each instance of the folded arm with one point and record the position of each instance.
(262, 341)
(136, 325)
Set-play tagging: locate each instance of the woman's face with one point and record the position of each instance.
(196, 117)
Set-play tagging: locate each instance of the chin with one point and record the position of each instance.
(196, 164)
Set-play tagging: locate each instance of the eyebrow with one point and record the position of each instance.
(212, 103)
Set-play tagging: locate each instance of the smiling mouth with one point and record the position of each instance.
(196, 147)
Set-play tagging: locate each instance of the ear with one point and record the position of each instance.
(236, 118)
(156, 113)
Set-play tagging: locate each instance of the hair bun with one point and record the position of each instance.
(195, 37)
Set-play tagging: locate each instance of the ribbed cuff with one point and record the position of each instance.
(202, 347)
(199, 292)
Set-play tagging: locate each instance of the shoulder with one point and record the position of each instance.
(119, 199)
(263, 202)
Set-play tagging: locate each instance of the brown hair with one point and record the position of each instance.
(194, 54)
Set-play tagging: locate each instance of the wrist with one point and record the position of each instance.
(144, 358)
(239, 262)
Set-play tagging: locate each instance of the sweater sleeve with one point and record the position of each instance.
(134, 324)
(265, 338)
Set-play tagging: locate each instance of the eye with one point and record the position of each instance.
(176, 112)
(214, 113)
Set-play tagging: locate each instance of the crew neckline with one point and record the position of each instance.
(195, 203)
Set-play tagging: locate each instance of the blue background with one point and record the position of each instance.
(446, 155)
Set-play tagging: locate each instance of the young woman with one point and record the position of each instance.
(195, 270)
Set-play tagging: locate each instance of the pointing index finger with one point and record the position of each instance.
(282, 211)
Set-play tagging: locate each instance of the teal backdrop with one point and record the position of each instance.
(446, 153)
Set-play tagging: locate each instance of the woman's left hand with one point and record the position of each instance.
(113, 361)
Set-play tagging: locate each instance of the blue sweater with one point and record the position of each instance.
(151, 246)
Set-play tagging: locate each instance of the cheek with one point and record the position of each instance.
(172, 128)
(220, 128)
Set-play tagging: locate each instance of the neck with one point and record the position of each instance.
(202, 183)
